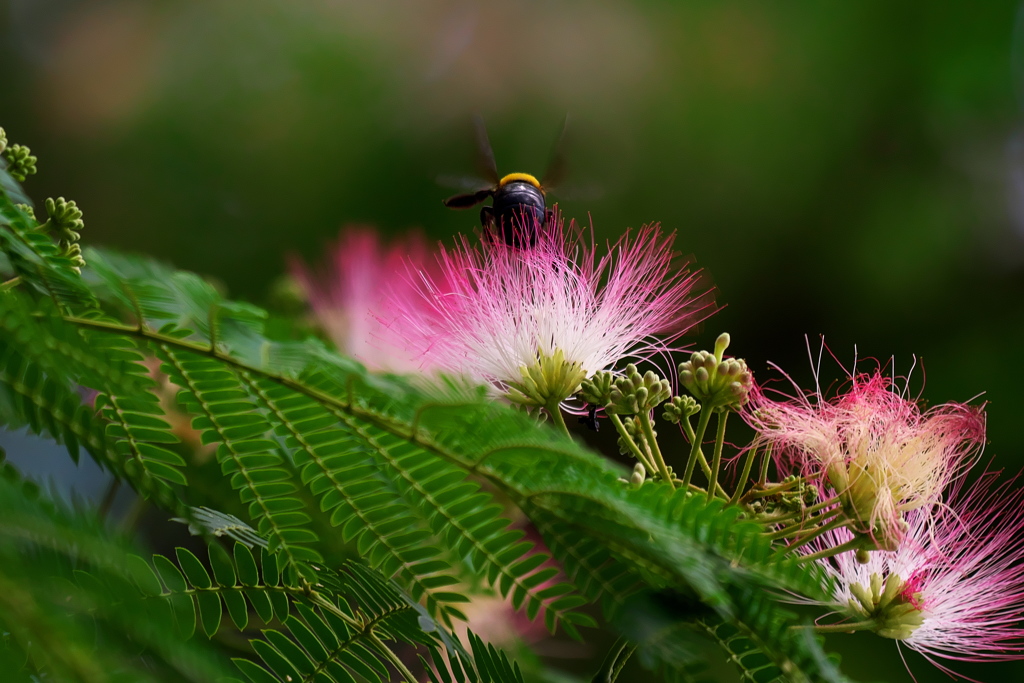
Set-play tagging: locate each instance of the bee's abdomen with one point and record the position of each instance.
(519, 209)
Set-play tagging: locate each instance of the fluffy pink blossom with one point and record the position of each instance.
(347, 295)
(500, 309)
(956, 583)
(872, 446)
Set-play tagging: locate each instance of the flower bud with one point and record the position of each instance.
(680, 408)
(638, 476)
(634, 393)
(597, 389)
(714, 381)
(20, 162)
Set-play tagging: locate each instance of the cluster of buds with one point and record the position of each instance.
(799, 495)
(548, 382)
(597, 389)
(633, 393)
(680, 408)
(65, 219)
(715, 381)
(20, 161)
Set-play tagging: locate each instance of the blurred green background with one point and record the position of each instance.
(848, 169)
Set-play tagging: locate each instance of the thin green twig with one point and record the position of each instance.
(716, 457)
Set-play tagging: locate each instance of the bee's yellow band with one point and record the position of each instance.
(520, 177)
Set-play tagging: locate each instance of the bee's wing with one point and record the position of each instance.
(465, 183)
(555, 174)
(464, 201)
(485, 164)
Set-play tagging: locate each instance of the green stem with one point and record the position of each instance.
(555, 413)
(634, 449)
(393, 658)
(741, 483)
(802, 513)
(10, 284)
(614, 663)
(704, 466)
(802, 525)
(837, 522)
(852, 544)
(770, 491)
(716, 457)
(763, 479)
(645, 424)
(695, 441)
(843, 628)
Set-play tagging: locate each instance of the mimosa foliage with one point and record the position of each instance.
(326, 461)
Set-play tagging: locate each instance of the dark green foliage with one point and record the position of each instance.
(323, 460)
(67, 605)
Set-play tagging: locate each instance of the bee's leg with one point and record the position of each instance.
(486, 217)
(549, 215)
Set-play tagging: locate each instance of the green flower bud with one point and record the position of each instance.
(20, 162)
(714, 381)
(680, 408)
(65, 219)
(638, 476)
(634, 393)
(596, 390)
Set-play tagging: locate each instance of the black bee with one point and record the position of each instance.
(590, 419)
(520, 205)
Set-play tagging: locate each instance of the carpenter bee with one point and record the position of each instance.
(519, 207)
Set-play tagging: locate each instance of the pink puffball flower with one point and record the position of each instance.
(348, 294)
(873, 447)
(537, 321)
(955, 586)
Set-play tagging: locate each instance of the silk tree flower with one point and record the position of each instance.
(872, 446)
(347, 295)
(535, 322)
(955, 586)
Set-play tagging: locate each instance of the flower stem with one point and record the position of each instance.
(835, 523)
(716, 457)
(695, 441)
(763, 479)
(659, 460)
(10, 284)
(555, 413)
(770, 491)
(705, 467)
(748, 464)
(849, 627)
(852, 544)
(795, 529)
(630, 444)
(803, 513)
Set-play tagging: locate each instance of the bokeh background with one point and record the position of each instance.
(848, 169)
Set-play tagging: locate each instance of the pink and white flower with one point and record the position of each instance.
(348, 294)
(500, 310)
(955, 586)
(872, 446)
